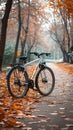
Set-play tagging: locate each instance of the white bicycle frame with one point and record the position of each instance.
(39, 60)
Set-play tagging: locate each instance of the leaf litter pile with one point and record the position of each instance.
(11, 108)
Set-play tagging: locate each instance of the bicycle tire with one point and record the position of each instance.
(39, 85)
(16, 72)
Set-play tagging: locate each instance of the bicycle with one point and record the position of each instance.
(18, 80)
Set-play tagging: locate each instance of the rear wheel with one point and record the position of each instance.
(45, 81)
(17, 82)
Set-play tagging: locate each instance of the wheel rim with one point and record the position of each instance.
(17, 83)
(45, 84)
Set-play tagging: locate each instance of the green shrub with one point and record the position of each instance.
(8, 54)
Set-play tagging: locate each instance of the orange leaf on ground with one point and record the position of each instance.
(1, 114)
(11, 122)
(16, 106)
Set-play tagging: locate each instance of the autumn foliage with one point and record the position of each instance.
(68, 4)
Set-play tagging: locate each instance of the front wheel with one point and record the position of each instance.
(45, 81)
(17, 82)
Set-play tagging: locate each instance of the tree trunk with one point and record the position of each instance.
(65, 55)
(4, 29)
(19, 31)
(26, 30)
(34, 40)
(71, 30)
(65, 20)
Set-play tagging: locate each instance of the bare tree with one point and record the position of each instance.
(4, 29)
(19, 31)
(26, 29)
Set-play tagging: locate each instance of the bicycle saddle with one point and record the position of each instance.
(23, 57)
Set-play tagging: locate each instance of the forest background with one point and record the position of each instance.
(29, 25)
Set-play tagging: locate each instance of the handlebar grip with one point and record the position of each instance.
(35, 53)
(47, 54)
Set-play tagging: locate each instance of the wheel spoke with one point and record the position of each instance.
(17, 83)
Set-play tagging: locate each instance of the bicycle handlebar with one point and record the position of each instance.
(39, 54)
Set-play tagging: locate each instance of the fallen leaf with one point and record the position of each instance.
(27, 128)
(42, 120)
(68, 125)
(1, 114)
(61, 112)
(33, 106)
(31, 116)
(16, 106)
(19, 124)
(54, 113)
(65, 128)
(62, 108)
(6, 102)
(51, 105)
(10, 122)
(20, 115)
(54, 126)
(42, 116)
(68, 119)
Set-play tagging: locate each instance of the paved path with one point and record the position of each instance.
(54, 112)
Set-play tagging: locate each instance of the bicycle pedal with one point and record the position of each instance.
(30, 84)
(34, 89)
(31, 87)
